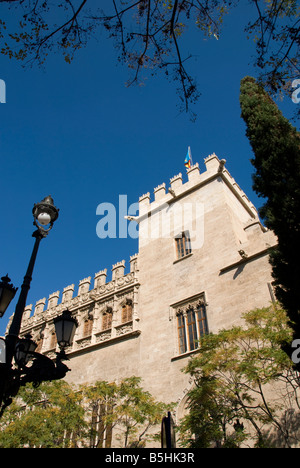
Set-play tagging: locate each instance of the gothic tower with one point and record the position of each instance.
(202, 263)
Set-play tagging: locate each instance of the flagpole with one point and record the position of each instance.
(191, 156)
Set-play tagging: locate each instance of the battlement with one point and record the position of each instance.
(85, 294)
(163, 195)
(214, 168)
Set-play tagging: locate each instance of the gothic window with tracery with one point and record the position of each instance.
(107, 319)
(127, 311)
(88, 326)
(191, 325)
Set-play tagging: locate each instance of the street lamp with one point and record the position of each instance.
(65, 327)
(19, 362)
(44, 214)
(24, 349)
(7, 293)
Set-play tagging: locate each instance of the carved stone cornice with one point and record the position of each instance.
(192, 304)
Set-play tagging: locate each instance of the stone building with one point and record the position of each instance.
(202, 262)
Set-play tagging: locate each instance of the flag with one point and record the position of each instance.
(188, 159)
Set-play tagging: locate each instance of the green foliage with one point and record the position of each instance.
(50, 416)
(276, 147)
(58, 415)
(231, 374)
(211, 409)
(129, 408)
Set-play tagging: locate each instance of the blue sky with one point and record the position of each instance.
(78, 133)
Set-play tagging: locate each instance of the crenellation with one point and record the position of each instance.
(118, 270)
(133, 263)
(253, 208)
(176, 182)
(239, 190)
(236, 185)
(100, 278)
(67, 294)
(84, 286)
(212, 163)
(240, 194)
(227, 173)
(160, 192)
(39, 306)
(53, 300)
(144, 203)
(27, 312)
(144, 198)
(214, 168)
(194, 173)
(95, 309)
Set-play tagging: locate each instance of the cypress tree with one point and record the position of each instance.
(276, 147)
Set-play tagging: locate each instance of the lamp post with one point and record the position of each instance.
(44, 214)
(14, 371)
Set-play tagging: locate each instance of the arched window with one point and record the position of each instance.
(88, 326)
(127, 311)
(107, 319)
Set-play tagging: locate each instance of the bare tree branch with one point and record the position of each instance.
(147, 35)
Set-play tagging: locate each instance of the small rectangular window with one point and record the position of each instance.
(183, 245)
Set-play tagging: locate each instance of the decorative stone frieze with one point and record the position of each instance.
(89, 308)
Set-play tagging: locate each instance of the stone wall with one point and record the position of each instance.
(227, 270)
